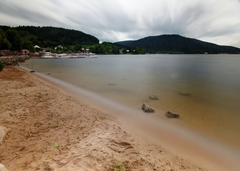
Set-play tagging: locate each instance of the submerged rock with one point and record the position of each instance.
(3, 168)
(184, 94)
(153, 98)
(111, 84)
(172, 115)
(147, 109)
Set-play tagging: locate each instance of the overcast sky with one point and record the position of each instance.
(112, 20)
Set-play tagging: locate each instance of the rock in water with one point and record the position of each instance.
(184, 94)
(3, 168)
(153, 98)
(172, 115)
(147, 109)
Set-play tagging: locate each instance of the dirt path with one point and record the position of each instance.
(49, 130)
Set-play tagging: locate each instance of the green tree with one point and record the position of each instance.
(1, 66)
(27, 44)
(139, 51)
(15, 39)
(4, 43)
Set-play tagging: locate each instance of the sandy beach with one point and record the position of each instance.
(47, 129)
(119, 85)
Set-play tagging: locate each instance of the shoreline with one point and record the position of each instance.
(13, 59)
(190, 145)
(204, 111)
(91, 133)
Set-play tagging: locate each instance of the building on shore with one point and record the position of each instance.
(59, 47)
(36, 47)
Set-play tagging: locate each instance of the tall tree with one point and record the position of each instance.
(4, 43)
(15, 39)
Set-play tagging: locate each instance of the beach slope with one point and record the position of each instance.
(47, 129)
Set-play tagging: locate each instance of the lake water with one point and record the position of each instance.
(203, 89)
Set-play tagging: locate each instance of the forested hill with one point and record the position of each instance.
(177, 44)
(25, 37)
(16, 38)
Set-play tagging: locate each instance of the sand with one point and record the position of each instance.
(47, 129)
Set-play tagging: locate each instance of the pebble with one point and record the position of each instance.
(3, 132)
(3, 168)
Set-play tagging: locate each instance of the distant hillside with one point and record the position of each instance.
(177, 44)
(16, 38)
(25, 37)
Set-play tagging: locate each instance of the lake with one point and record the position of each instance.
(203, 89)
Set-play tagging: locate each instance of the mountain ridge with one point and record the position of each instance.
(174, 43)
(25, 37)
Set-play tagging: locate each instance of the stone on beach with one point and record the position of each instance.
(3, 168)
(3, 132)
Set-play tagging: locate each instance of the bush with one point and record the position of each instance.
(1, 66)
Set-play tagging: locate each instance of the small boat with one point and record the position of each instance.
(48, 55)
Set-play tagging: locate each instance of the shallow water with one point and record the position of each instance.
(203, 89)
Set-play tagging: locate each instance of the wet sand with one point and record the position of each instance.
(49, 129)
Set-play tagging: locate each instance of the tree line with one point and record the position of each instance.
(26, 37)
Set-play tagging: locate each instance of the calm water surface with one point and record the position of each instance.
(204, 89)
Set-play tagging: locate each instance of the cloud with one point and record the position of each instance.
(211, 20)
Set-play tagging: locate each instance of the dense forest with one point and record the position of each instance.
(177, 44)
(26, 37)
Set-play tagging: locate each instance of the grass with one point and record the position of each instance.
(56, 146)
(1, 66)
(119, 167)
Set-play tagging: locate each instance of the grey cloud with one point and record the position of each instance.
(29, 15)
(177, 25)
(212, 20)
